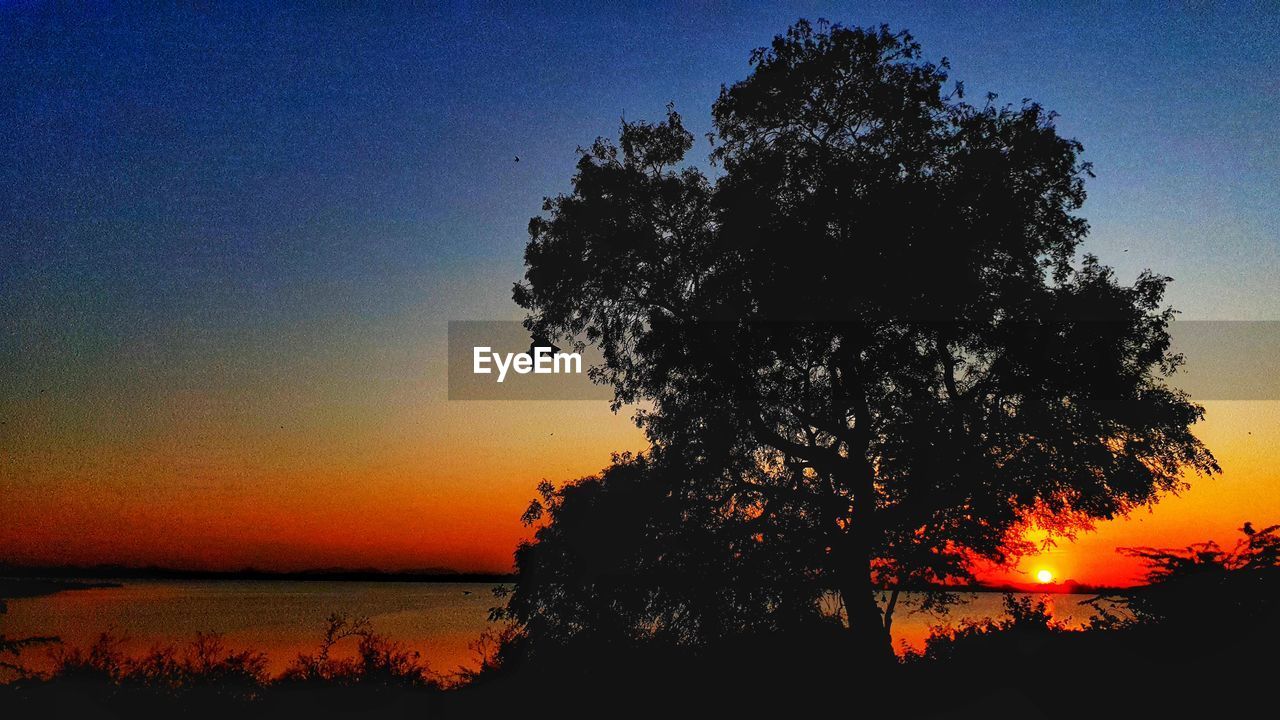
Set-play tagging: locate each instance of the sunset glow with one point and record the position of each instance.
(230, 333)
(451, 359)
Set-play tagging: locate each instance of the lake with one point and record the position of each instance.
(284, 618)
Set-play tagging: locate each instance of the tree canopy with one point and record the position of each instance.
(874, 315)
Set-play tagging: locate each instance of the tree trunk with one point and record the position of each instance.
(866, 622)
(870, 636)
(866, 625)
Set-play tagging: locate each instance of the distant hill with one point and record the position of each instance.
(330, 574)
(1066, 587)
(11, 588)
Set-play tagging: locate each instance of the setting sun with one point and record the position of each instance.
(1044, 576)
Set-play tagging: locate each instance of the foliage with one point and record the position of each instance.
(377, 660)
(492, 649)
(1025, 618)
(630, 557)
(1206, 587)
(203, 678)
(11, 649)
(878, 305)
(204, 662)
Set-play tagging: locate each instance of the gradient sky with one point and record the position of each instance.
(230, 242)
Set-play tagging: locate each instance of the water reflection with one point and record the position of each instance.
(284, 618)
(281, 618)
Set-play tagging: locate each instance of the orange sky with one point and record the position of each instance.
(416, 482)
(396, 476)
(1245, 437)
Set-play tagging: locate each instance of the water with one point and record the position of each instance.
(911, 627)
(280, 618)
(284, 618)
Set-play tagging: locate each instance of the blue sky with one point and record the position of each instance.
(229, 172)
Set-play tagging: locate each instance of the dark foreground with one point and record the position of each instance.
(1025, 667)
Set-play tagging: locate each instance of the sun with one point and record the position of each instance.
(1044, 576)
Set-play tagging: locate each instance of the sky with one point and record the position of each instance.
(231, 241)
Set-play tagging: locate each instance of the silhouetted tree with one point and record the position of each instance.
(1205, 587)
(879, 299)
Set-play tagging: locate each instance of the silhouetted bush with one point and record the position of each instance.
(204, 663)
(1205, 587)
(1027, 620)
(205, 679)
(637, 557)
(11, 649)
(377, 661)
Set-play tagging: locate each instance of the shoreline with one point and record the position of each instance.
(325, 575)
(16, 588)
